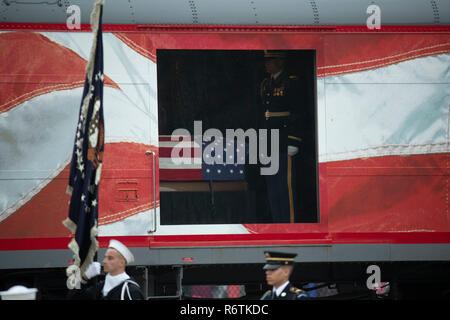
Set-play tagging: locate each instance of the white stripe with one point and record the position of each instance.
(185, 163)
(373, 113)
(131, 112)
(38, 135)
(135, 74)
(37, 138)
(124, 121)
(25, 194)
(140, 223)
(194, 229)
(430, 69)
(137, 224)
(79, 43)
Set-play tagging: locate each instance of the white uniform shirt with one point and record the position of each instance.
(280, 289)
(113, 281)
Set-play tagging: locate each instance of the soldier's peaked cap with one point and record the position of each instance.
(274, 260)
(274, 54)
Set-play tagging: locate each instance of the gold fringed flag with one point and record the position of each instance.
(85, 168)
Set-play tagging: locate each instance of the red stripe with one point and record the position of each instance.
(236, 240)
(137, 42)
(124, 193)
(36, 66)
(129, 241)
(42, 216)
(300, 239)
(396, 193)
(180, 174)
(34, 244)
(350, 53)
(179, 152)
(337, 53)
(391, 237)
(381, 195)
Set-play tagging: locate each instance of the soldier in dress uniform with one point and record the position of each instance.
(118, 285)
(278, 268)
(280, 99)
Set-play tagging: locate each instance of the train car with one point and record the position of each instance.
(371, 175)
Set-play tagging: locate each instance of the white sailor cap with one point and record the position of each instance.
(19, 293)
(124, 251)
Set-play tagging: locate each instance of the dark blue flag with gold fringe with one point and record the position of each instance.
(86, 164)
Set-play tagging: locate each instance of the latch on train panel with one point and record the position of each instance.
(127, 191)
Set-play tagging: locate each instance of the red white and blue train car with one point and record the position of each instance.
(376, 176)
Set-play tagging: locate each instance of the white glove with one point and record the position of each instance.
(93, 270)
(292, 150)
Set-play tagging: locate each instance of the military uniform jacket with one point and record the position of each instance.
(93, 291)
(289, 293)
(281, 102)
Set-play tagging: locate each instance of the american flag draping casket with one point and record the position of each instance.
(182, 159)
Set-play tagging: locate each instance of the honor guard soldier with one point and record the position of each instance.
(117, 285)
(278, 269)
(279, 96)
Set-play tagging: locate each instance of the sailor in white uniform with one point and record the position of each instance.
(117, 285)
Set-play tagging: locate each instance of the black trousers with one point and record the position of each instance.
(281, 191)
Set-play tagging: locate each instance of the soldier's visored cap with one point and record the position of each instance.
(274, 54)
(274, 260)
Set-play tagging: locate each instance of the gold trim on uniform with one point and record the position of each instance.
(295, 290)
(274, 54)
(295, 138)
(270, 114)
(278, 259)
(291, 196)
(278, 92)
